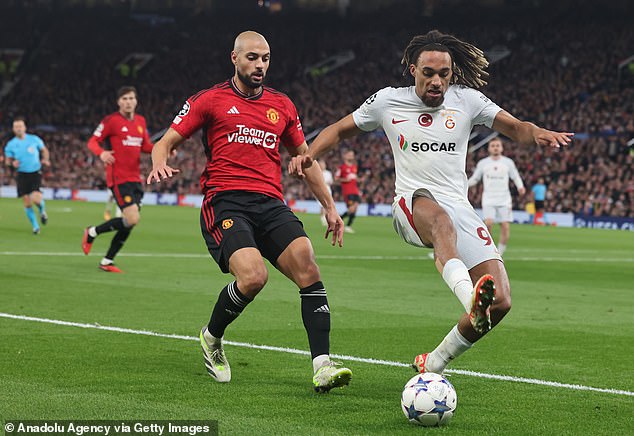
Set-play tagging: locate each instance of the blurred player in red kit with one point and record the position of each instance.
(118, 141)
(347, 176)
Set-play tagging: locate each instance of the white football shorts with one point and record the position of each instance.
(474, 243)
(497, 213)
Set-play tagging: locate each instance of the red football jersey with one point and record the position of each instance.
(241, 137)
(127, 139)
(349, 173)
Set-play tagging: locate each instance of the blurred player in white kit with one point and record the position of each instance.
(497, 206)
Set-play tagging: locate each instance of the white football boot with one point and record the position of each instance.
(214, 356)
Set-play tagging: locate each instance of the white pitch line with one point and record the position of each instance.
(77, 254)
(327, 256)
(532, 381)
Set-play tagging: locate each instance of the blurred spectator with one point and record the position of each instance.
(559, 74)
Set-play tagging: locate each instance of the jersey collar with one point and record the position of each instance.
(242, 94)
(125, 118)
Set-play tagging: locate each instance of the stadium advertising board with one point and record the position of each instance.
(311, 206)
(604, 222)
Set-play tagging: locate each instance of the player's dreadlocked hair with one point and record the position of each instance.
(468, 60)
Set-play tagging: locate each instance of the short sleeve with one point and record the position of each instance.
(293, 134)
(483, 110)
(102, 131)
(8, 150)
(368, 116)
(39, 143)
(192, 116)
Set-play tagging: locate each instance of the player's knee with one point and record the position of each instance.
(308, 275)
(132, 220)
(252, 281)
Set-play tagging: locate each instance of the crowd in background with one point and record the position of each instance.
(561, 75)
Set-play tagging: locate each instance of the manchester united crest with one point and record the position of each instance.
(140, 129)
(226, 224)
(272, 116)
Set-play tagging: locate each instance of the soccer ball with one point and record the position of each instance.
(429, 400)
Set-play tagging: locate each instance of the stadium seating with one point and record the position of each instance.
(553, 77)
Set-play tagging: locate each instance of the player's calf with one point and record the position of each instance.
(500, 307)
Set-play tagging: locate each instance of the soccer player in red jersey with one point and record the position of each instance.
(243, 217)
(118, 141)
(347, 176)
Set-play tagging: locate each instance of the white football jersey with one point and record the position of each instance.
(429, 144)
(495, 175)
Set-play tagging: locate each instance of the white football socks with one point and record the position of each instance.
(501, 248)
(319, 361)
(211, 339)
(451, 347)
(456, 275)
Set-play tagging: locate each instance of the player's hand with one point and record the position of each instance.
(335, 225)
(161, 172)
(46, 162)
(298, 164)
(522, 191)
(553, 139)
(107, 157)
(15, 163)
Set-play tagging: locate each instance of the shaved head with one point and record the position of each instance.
(248, 39)
(250, 56)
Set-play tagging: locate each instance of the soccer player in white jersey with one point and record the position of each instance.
(497, 205)
(428, 127)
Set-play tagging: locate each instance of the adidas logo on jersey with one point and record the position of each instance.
(234, 111)
(324, 309)
(124, 129)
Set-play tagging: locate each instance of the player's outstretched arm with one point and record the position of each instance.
(315, 179)
(327, 140)
(528, 133)
(160, 152)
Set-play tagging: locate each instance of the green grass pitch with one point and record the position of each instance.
(572, 322)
